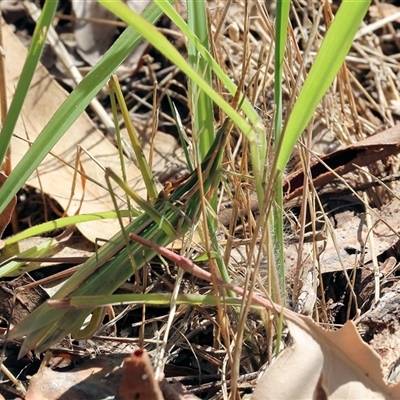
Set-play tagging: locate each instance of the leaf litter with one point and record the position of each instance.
(320, 364)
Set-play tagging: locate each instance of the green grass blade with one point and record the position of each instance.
(150, 299)
(161, 43)
(328, 61)
(32, 60)
(73, 106)
(181, 133)
(114, 109)
(15, 268)
(282, 18)
(202, 109)
(201, 104)
(64, 222)
(133, 136)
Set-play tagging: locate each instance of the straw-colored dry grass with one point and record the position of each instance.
(363, 100)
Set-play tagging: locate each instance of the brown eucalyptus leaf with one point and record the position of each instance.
(339, 362)
(56, 177)
(95, 379)
(363, 153)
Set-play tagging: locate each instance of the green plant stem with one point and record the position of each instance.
(114, 109)
(282, 18)
(257, 138)
(202, 109)
(64, 222)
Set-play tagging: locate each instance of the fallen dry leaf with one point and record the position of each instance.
(94, 379)
(93, 38)
(56, 178)
(138, 381)
(102, 378)
(14, 307)
(363, 153)
(352, 241)
(381, 322)
(383, 10)
(387, 344)
(339, 362)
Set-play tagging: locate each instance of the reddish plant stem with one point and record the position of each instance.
(192, 268)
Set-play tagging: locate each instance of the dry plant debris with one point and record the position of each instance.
(340, 162)
(354, 127)
(119, 376)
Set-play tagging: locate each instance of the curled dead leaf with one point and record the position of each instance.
(363, 153)
(339, 362)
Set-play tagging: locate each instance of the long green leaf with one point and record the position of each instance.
(15, 268)
(282, 18)
(161, 43)
(328, 61)
(64, 222)
(254, 132)
(150, 299)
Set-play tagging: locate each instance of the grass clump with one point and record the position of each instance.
(261, 108)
